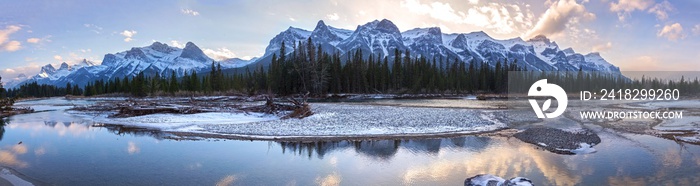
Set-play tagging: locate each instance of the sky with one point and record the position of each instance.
(636, 35)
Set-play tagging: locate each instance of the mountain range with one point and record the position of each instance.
(377, 38)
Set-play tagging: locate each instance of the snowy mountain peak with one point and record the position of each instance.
(161, 47)
(459, 42)
(157, 58)
(569, 51)
(297, 31)
(321, 26)
(323, 33)
(22, 75)
(478, 35)
(136, 54)
(417, 32)
(435, 31)
(191, 51)
(422, 35)
(290, 36)
(64, 66)
(48, 69)
(540, 38)
(429, 43)
(382, 37)
(593, 54)
(85, 63)
(376, 37)
(387, 26)
(109, 60)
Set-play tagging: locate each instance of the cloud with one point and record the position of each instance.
(473, 2)
(329, 180)
(219, 53)
(57, 57)
(696, 29)
(189, 12)
(12, 46)
(177, 44)
(625, 7)
(292, 19)
(132, 148)
(499, 18)
(226, 181)
(5, 33)
(630, 5)
(93, 28)
(33, 40)
(672, 32)
(216, 54)
(5, 43)
(333, 16)
(661, 10)
(560, 15)
(437, 10)
(602, 47)
(128, 34)
(10, 74)
(647, 63)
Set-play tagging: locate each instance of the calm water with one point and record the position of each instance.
(61, 149)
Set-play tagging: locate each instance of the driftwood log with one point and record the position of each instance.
(139, 111)
(16, 111)
(299, 108)
(292, 108)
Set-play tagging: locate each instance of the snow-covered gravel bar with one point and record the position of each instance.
(329, 120)
(333, 119)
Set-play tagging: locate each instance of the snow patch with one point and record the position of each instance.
(12, 178)
(584, 148)
(186, 122)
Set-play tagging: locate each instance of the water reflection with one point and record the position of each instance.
(133, 131)
(109, 154)
(228, 180)
(384, 149)
(3, 122)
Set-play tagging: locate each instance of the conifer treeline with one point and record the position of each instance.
(309, 69)
(5, 103)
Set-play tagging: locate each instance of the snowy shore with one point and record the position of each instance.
(330, 119)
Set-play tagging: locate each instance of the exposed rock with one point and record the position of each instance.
(560, 141)
(491, 180)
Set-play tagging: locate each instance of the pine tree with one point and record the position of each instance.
(5, 103)
(173, 85)
(3, 93)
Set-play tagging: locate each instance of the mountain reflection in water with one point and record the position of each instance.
(383, 149)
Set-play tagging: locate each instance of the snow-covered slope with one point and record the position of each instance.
(377, 37)
(156, 58)
(48, 74)
(380, 38)
(427, 42)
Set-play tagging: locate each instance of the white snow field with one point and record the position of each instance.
(329, 120)
(334, 119)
